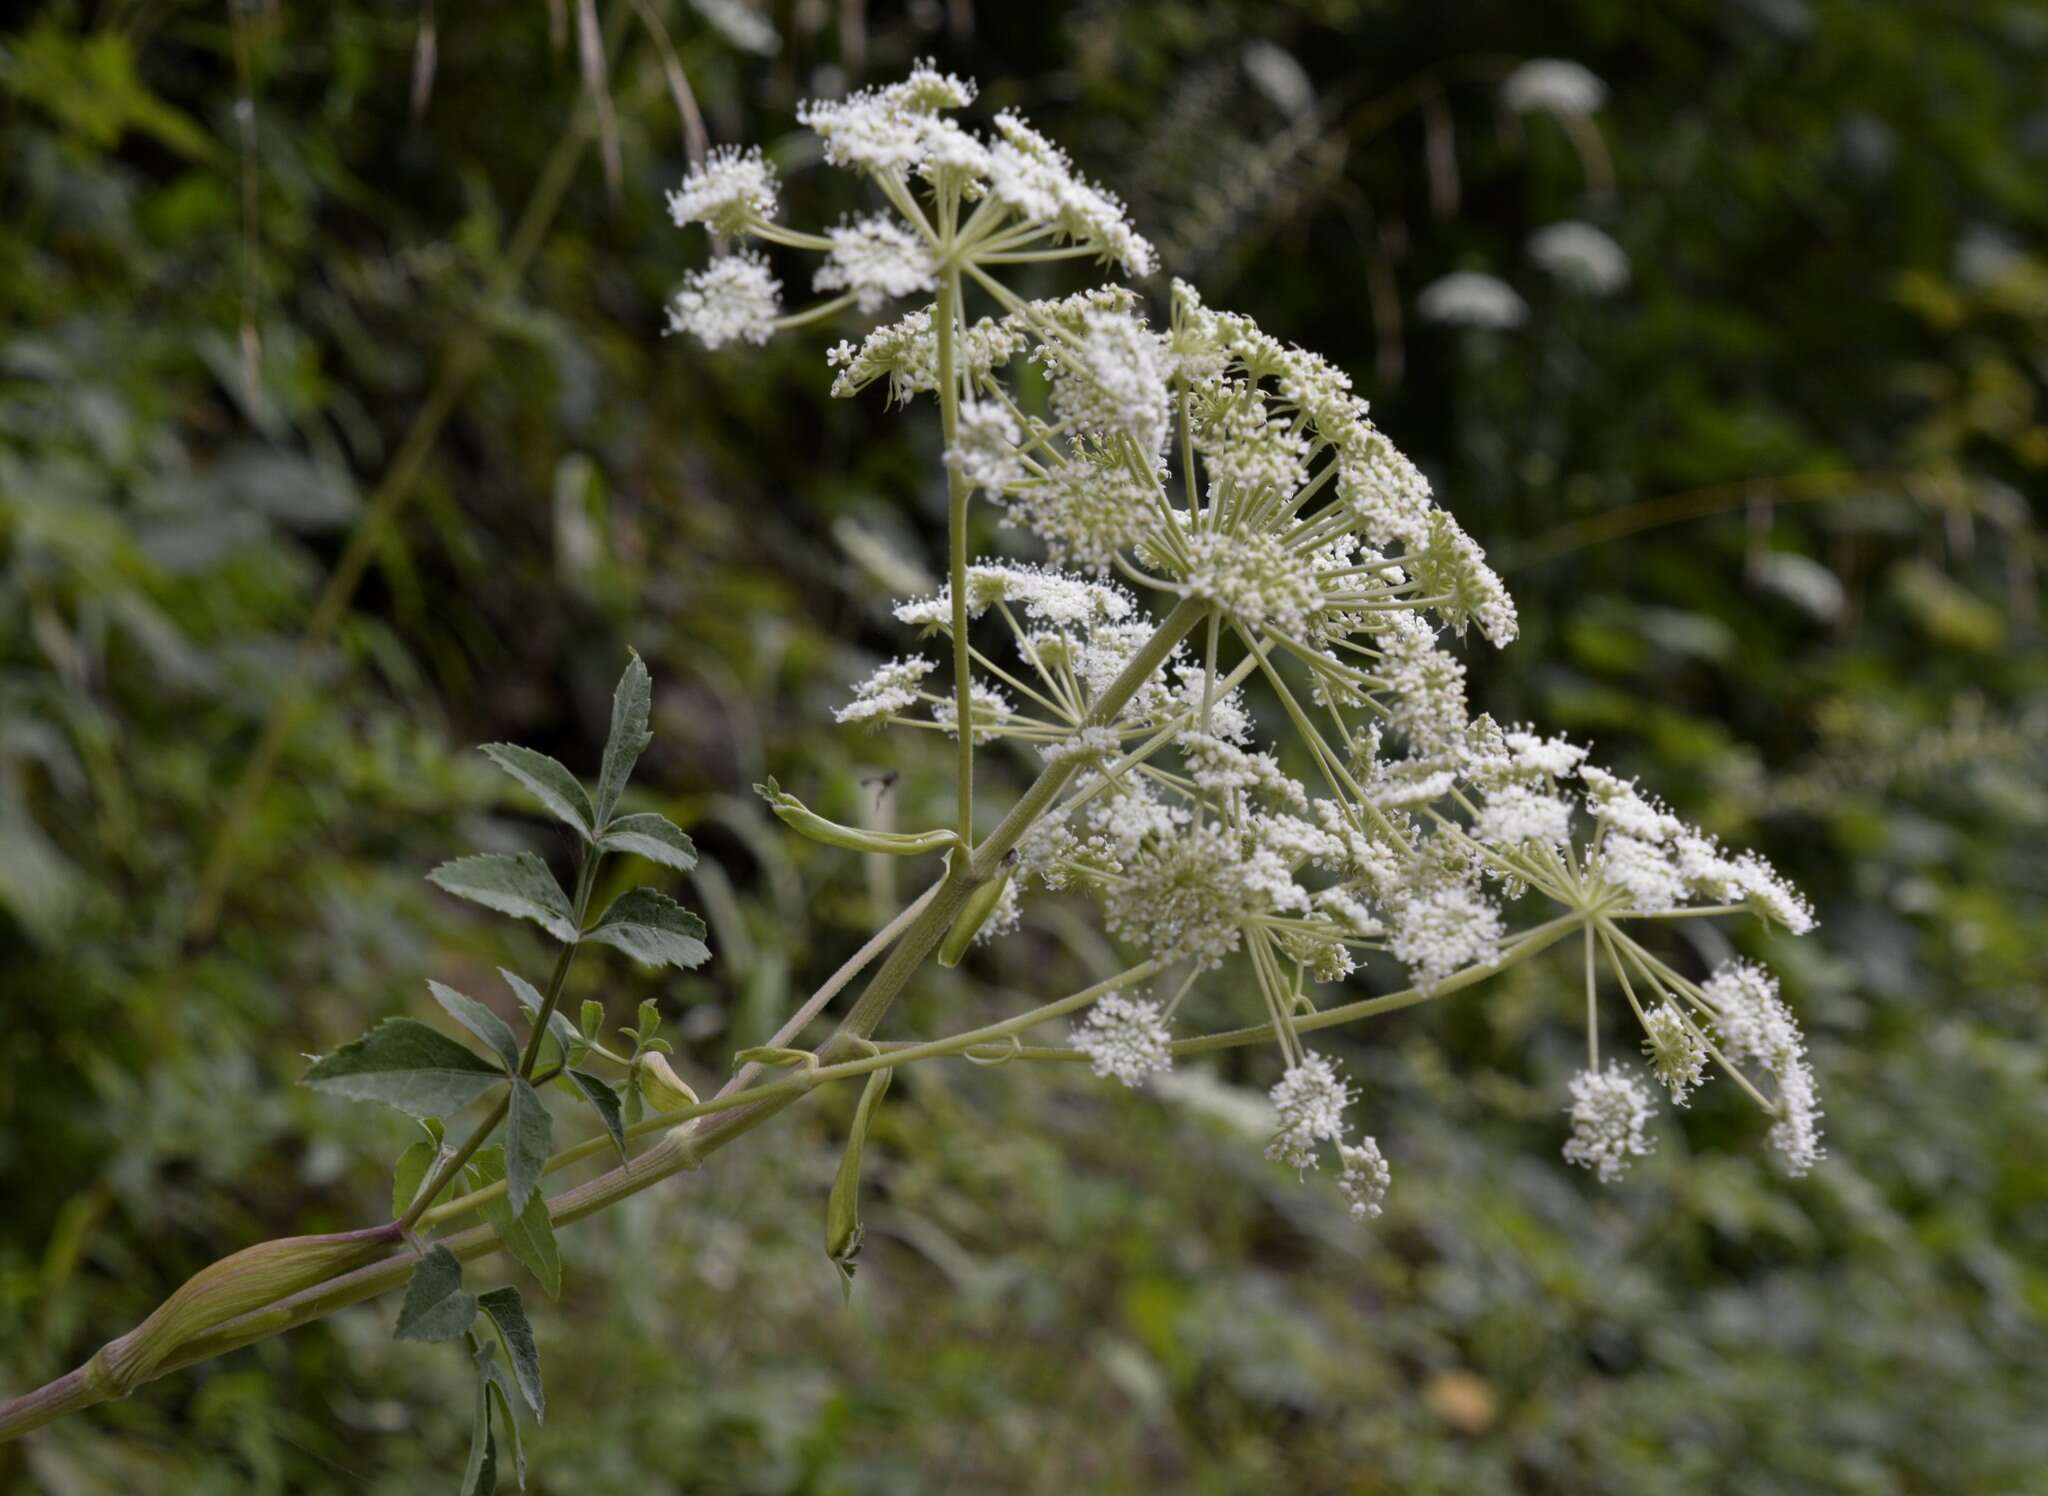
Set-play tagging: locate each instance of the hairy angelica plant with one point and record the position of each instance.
(1215, 507)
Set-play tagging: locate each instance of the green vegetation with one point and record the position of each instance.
(337, 435)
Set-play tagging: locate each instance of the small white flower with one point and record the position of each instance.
(1676, 1050)
(1585, 258)
(1442, 930)
(892, 689)
(1553, 85)
(1125, 1038)
(1609, 1111)
(733, 298)
(876, 258)
(1468, 298)
(1309, 1101)
(729, 192)
(1796, 1134)
(1365, 1178)
(984, 449)
(1515, 814)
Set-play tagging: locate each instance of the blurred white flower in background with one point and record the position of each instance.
(1581, 256)
(1553, 85)
(1469, 298)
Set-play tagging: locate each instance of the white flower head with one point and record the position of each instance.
(1676, 1050)
(891, 690)
(1470, 298)
(1796, 1134)
(1125, 1038)
(1309, 1101)
(1553, 85)
(728, 192)
(1609, 1112)
(1437, 931)
(735, 298)
(1581, 256)
(1365, 1178)
(877, 258)
(984, 449)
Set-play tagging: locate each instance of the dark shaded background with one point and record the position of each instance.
(1772, 515)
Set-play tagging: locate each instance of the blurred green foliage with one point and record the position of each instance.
(1773, 516)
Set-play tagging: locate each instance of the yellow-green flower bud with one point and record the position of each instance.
(664, 1089)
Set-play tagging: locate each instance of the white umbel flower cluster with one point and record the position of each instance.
(729, 192)
(1365, 1178)
(877, 259)
(1609, 1112)
(734, 299)
(1676, 1050)
(1753, 1024)
(1309, 1100)
(1183, 457)
(1125, 1039)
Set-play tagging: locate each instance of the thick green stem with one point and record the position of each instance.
(957, 492)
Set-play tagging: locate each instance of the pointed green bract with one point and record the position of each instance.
(606, 1100)
(550, 783)
(654, 837)
(508, 1313)
(435, 1306)
(843, 1229)
(479, 1020)
(629, 737)
(652, 928)
(403, 1063)
(530, 1234)
(529, 1139)
(517, 884)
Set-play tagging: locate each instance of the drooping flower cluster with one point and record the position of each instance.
(1241, 484)
(1125, 1038)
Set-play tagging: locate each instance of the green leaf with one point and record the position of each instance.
(654, 837)
(654, 929)
(403, 1063)
(479, 1020)
(600, 1095)
(435, 1306)
(480, 1475)
(411, 1172)
(551, 784)
(629, 737)
(529, 1235)
(529, 1139)
(508, 1313)
(530, 999)
(501, 1399)
(519, 884)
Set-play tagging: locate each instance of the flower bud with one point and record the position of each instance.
(664, 1089)
(794, 814)
(250, 1279)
